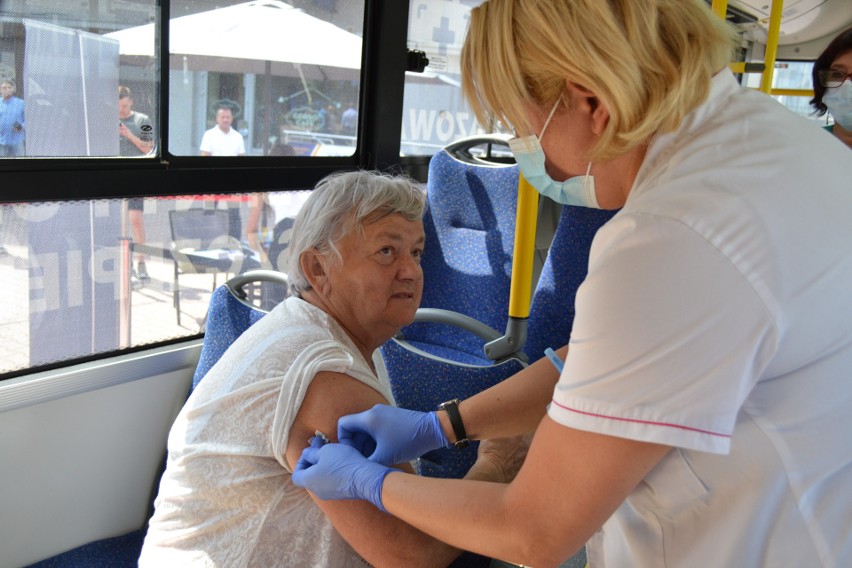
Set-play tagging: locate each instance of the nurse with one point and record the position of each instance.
(703, 411)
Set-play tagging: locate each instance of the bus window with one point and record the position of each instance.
(434, 111)
(62, 73)
(796, 75)
(78, 282)
(263, 78)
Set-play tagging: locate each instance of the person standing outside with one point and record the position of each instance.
(223, 140)
(136, 138)
(832, 79)
(11, 121)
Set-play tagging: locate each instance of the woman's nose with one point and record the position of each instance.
(409, 267)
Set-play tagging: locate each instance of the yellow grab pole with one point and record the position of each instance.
(772, 44)
(793, 92)
(520, 290)
(720, 8)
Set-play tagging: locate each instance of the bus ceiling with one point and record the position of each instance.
(806, 28)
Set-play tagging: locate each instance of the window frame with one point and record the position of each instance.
(384, 61)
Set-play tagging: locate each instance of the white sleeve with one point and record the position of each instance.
(668, 339)
(206, 143)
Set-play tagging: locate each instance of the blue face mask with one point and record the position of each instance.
(839, 103)
(578, 190)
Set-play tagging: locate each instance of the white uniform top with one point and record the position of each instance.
(219, 143)
(227, 498)
(717, 318)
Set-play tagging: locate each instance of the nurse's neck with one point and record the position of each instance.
(614, 179)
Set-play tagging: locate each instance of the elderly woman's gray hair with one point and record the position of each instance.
(342, 202)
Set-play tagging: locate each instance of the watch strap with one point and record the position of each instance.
(451, 407)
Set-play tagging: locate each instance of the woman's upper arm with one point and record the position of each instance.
(379, 538)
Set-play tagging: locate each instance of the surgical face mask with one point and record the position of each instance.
(839, 103)
(578, 190)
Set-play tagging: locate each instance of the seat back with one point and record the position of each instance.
(552, 308)
(232, 311)
(467, 268)
(467, 264)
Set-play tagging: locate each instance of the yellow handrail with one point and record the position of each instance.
(520, 288)
(793, 92)
(747, 67)
(720, 7)
(772, 44)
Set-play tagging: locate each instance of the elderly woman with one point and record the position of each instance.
(226, 497)
(702, 416)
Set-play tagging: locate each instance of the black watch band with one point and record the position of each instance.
(451, 407)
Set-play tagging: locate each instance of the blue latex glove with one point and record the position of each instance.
(336, 471)
(390, 435)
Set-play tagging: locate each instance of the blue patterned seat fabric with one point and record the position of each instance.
(227, 319)
(467, 267)
(552, 308)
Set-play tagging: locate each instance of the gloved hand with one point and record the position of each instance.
(335, 471)
(390, 435)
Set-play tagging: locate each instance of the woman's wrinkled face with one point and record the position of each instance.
(377, 287)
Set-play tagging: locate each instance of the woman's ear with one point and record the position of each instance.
(588, 102)
(314, 267)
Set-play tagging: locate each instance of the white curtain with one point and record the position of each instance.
(71, 80)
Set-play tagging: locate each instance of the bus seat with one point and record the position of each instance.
(421, 380)
(467, 262)
(565, 268)
(118, 552)
(470, 231)
(232, 310)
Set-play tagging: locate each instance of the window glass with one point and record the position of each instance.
(434, 111)
(87, 277)
(60, 73)
(796, 75)
(262, 78)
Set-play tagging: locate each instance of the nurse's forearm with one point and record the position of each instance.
(512, 407)
(462, 513)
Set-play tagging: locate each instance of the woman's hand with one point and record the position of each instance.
(336, 471)
(500, 459)
(390, 435)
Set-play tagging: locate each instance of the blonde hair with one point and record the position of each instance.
(649, 61)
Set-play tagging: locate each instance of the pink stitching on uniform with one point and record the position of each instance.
(642, 421)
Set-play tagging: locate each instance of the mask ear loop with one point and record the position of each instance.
(549, 116)
(589, 186)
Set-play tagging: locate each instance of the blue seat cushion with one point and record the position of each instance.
(421, 383)
(116, 552)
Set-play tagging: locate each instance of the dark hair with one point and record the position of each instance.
(123, 92)
(227, 104)
(838, 46)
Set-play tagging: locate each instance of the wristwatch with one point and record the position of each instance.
(451, 407)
